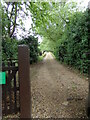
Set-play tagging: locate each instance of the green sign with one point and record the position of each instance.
(2, 78)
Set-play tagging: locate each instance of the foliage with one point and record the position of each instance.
(74, 43)
(9, 48)
(47, 45)
(64, 31)
(62, 26)
(40, 58)
(32, 42)
(12, 14)
(49, 20)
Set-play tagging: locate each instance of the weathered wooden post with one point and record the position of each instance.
(24, 77)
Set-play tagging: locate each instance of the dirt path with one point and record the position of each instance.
(57, 92)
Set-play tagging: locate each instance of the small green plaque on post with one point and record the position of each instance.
(2, 78)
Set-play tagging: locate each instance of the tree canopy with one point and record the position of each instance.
(50, 19)
(63, 27)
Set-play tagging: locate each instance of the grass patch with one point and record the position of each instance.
(44, 54)
(40, 58)
(53, 55)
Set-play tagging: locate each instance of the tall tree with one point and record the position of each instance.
(11, 11)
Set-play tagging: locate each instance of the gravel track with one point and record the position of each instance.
(56, 91)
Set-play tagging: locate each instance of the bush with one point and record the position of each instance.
(74, 43)
(9, 48)
(32, 42)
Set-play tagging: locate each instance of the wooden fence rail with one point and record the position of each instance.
(10, 91)
(16, 95)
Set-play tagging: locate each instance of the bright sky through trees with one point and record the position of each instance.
(27, 23)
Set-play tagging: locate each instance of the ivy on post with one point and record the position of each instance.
(24, 77)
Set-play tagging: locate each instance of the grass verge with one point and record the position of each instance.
(40, 58)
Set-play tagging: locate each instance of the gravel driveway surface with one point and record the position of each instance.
(56, 91)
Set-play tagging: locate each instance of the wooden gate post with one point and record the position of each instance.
(24, 77)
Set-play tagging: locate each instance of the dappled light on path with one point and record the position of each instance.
(48, 56)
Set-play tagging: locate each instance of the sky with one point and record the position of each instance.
(28, 21)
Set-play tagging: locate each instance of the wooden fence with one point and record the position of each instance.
(16, 95)
(10, 91)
